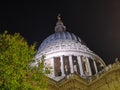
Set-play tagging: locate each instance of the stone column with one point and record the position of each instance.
(53, 70)
(62, 66)
(89, 68)
(71, 64)
(80, 65)
(95, 66)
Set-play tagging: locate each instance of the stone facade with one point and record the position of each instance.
(107, 79)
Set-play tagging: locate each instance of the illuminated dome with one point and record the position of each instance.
(58, 37)
(65, 53)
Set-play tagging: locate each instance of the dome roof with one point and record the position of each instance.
(59, 36)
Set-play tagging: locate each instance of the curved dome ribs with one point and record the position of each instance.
(66, 53)
(60, 36)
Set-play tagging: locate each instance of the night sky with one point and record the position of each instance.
(96, 22)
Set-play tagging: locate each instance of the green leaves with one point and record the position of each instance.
(15, 57)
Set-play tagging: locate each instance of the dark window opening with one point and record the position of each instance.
(66, 65)
(75, 65)
(57, 66)
(92, 66)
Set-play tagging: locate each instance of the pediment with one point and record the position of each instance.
(69, 83)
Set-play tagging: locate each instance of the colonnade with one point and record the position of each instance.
(80, 65)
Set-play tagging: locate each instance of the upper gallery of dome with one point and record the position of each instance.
(60, 35)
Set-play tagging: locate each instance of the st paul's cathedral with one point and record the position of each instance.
(73, 66)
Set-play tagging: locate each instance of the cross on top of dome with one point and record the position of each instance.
(59, 25)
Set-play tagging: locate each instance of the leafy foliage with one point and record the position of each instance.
(15, 72)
